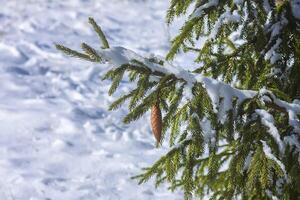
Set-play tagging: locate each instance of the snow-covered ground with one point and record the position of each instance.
(57, 138)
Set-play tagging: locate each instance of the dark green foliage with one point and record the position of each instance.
(214, 151)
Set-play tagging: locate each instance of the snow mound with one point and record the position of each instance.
(57, 139)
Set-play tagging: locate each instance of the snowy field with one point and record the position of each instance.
(58, 141)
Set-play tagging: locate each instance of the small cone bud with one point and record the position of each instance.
(156, 122)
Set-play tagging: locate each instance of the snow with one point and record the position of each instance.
(58, 140)
(268, 120)
(272, 55)
(238, 2)
(293, 109)
(295, 5)
(248, 161)
(267, 6)
(208, 133)
(275, 30)
(198, 12)
(268, 153)
(226, 17)
(293, 141)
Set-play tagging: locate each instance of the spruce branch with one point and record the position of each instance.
(151, 171)
(206, 112)
(117, 103)
(139, 110)
(100, 33)
(91, 52)
(116, 81)
(73, 53)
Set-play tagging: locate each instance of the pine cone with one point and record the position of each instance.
(156, 122)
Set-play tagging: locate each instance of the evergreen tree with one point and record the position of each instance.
(233, 122)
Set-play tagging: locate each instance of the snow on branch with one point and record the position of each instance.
(198, 12)
(217, 91)
(226, 18)
(293, 109)
(275, 30)
(118, 56)
(268, 120)
(268, 153)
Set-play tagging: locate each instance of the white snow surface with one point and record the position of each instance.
(58, 139)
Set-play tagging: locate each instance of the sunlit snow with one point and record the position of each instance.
(58, 140)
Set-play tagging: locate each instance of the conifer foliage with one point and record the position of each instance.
(233, 122)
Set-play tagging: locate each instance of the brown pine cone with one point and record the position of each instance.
(156, 122)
